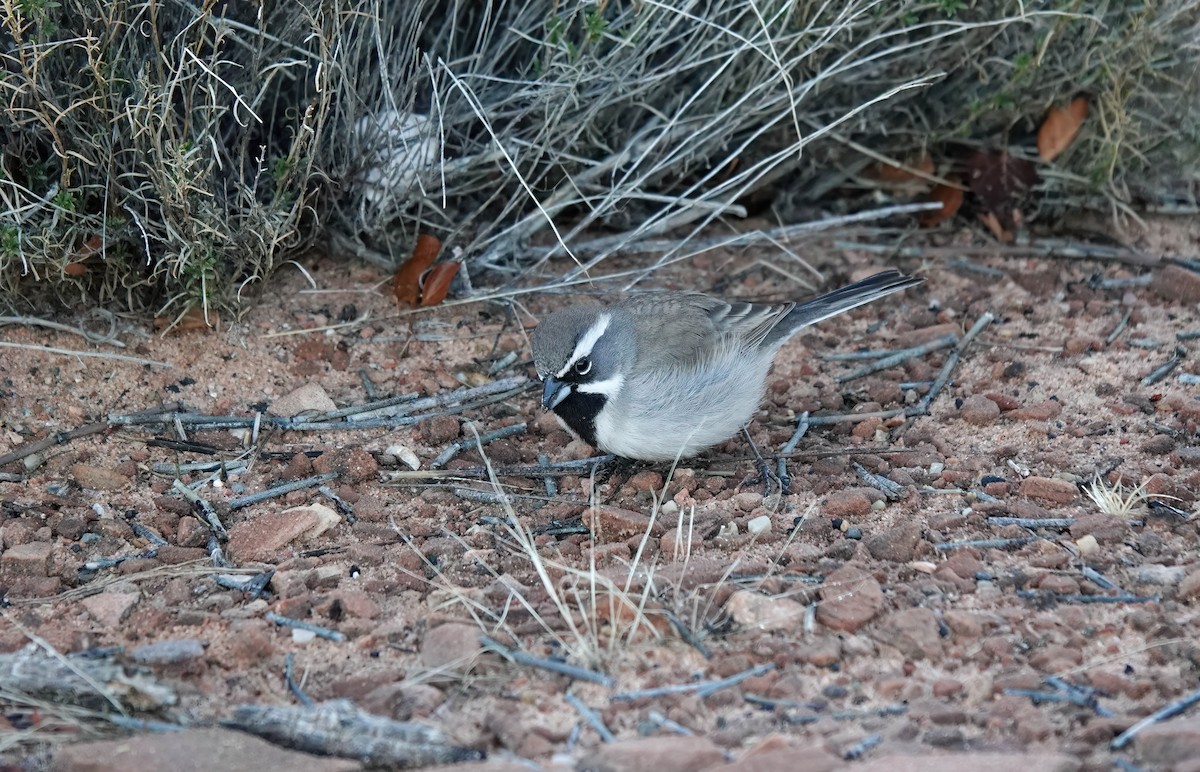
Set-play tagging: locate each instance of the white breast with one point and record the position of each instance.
(677, 413)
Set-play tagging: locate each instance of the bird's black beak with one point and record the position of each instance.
(554, 391)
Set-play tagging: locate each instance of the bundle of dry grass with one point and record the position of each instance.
(161, 156)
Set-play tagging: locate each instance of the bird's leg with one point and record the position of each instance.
(765, 475)
(785, 482)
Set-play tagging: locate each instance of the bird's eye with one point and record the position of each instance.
(583, 366)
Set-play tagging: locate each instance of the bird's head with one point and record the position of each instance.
(582, 352)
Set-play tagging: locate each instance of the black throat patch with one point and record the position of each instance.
(579, 412)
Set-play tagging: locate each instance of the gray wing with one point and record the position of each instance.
(678, 329)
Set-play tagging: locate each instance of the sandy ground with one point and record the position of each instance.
(866, 632)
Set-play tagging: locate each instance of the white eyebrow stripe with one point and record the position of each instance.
(586, 342)
(609, 387)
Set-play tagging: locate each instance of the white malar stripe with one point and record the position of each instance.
(586, 342)
(609, 387)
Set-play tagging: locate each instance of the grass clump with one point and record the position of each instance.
(161, 156)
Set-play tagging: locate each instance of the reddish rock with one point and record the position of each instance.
(192, 750)
(913, 631)
(1174, 282)
(1042, 411)
(110, 607)
(849, 599)
(782, 760)
(979, 761)
(946, 687)
(615, 524)
(32, 559)
(310, 397)
(1049, 489)
(846, 504)
(98, 479)
(896, 545)
(979, 410)
(1003, 401)
(646, 480)
(654, 754)
(440, 429)
(1107, 529)
(261, 537)
(752, 611)
(1170, 742)
(452, 647)
(360, 466)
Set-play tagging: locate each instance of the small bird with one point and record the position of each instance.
(665, 375)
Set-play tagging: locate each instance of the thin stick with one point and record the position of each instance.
(343, 506)
(1162, 714)
(702, 688)
(891, 489)
(280, 490)
(320, 632)
(552, 665)
(673, 726)
(1120, 328)
(591, 718)
(1057, 598)
(985, 543)
(1033, 522)
(898, 358)
(1163, 370)
(206, 509)
(292, 686)
(90, 354)
(455, 448)
(59, 438)
(943, 377)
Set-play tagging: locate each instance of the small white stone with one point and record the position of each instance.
(878, 505)
(759, 525)
(937, 467)
(728, 531)
(302, 636)
(923, 566)
(1087, 545)
(669, 508)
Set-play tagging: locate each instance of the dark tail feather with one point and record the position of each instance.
(841, 300)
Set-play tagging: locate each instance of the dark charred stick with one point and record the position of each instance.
(1054, 597)
(455, 448)
(963, 264)
(198, 466)
(482, 497)
(841, 418)
(368, 385)
(206, 509)
(1163, 370)
(292, 686)
(547, 480)
(452, 397)
(860, 748)
(943, 377)
(142, 724)
(1162, 714)
(552, 665)
(689, 637)
(1188, 335)
(280, 490)
(591, 718)
(366, 407)
(338, 728)
(182, 447)
(671, 726)
(898, 358)
(99, 563)
(1098, 579)
(1120, 328)
(342, 505)
(985, 543)
(503, 363)
(146, 533)
(404, 420)
(215, 554)
(58, 438)
(891, 489)
(1033, 522)
(296, 624)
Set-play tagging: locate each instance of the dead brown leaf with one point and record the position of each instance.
(1060, 128)
(437, 283)
(951, 199)
(406, 285)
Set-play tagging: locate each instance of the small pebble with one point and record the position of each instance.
(759, 525)
(1087, 544)
(302, 636)
(936, 468)
(854, 533)
(728, 531)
